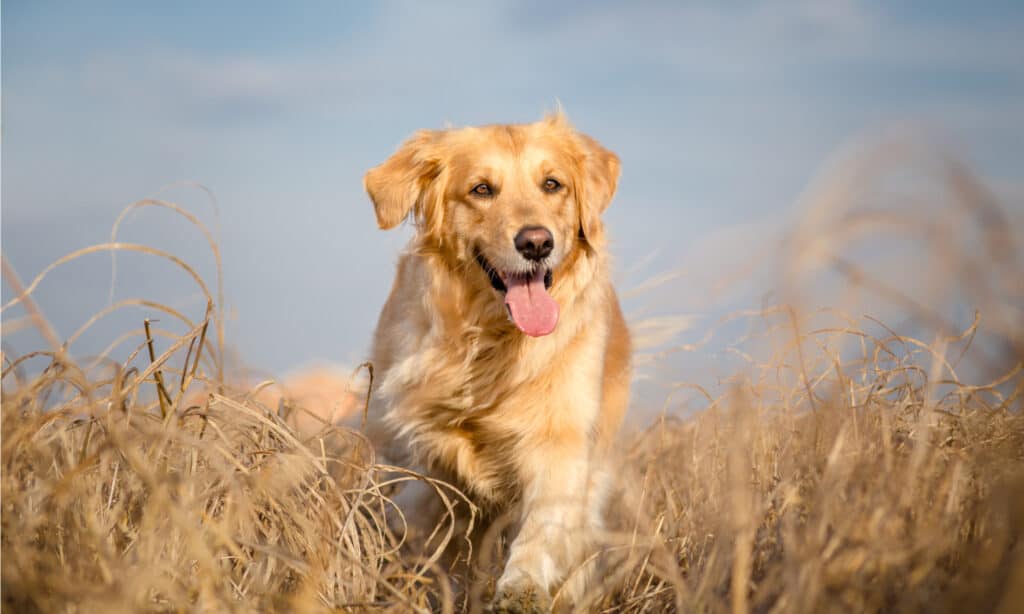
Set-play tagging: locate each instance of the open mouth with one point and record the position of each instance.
(527, 301)
(497, 279)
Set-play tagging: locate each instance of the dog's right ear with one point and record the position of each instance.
(400, 184)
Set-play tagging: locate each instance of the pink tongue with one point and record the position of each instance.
(532, 308)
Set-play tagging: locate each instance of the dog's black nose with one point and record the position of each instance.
(535, 242)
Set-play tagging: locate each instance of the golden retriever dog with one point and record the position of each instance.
(502, 357)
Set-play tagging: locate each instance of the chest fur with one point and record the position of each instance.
(463, 394)
(472, 412)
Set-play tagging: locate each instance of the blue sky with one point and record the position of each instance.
(721, 112)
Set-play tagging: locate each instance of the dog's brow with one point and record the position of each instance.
(542, 158)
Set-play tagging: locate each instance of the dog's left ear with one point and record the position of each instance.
(601, 176)
(402, 183)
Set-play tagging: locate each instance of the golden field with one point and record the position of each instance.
(847, 464)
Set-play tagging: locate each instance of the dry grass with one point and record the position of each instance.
(847, 468)
(882, 498)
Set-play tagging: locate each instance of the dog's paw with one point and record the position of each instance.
(521, 600)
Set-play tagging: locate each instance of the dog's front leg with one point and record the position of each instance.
(562, 498)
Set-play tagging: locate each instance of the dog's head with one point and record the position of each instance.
(512, 203)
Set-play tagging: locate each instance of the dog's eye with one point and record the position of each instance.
(482, 189)
(551, 185)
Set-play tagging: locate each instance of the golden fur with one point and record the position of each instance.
(519, 422)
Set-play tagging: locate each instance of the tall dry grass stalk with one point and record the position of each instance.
(846, 468)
